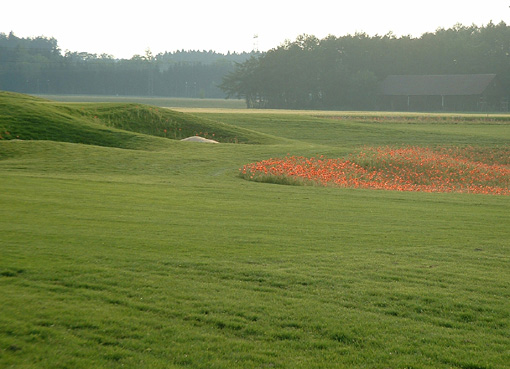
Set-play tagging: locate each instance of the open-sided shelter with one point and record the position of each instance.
(453, 92)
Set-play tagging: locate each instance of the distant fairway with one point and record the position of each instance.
(121, 246)
(167, 102)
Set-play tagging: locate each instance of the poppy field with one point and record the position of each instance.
(466, 170)
(123, 248)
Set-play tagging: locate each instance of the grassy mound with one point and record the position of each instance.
(166, 123)
(108, 124)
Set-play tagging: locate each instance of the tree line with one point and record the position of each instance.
(344, 72)
(308, 73)
(37, 65)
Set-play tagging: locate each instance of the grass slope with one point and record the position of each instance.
(108, 124)
(167, 259)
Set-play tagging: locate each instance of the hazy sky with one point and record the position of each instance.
(124, 28)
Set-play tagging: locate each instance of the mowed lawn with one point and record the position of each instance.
(168, 259)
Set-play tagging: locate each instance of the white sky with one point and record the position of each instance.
(124, 28)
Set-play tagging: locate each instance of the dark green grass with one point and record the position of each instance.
(167, 259)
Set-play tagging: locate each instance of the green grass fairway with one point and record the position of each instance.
(135, 250)
(167, 102)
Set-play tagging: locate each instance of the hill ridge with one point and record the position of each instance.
(122, 125)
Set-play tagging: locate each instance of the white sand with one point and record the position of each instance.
(199, 139)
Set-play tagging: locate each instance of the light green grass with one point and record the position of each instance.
(165, 258)
(167, 102)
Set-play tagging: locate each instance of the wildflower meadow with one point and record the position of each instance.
(410, 168)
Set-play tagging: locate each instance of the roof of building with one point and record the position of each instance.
(430, 85)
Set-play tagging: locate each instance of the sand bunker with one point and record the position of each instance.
(199, 139)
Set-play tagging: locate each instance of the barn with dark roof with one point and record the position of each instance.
(454, 92)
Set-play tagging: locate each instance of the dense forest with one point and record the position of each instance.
(308, 73)
(344, 72)
(37, 65)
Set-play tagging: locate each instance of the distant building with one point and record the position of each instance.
(454, 92)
